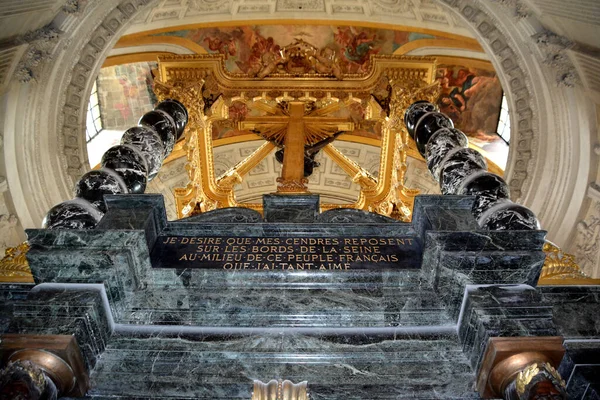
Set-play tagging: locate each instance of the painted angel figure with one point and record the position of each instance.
(325, 62)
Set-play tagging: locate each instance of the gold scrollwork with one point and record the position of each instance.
(14, 266)
(561, 267)
(187, 78)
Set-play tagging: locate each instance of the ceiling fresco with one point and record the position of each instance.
(472, 98)
(246, 47)
(471, 92)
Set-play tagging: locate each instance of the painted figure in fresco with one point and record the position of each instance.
(357, 48)
(264, 58)
(222, 42)
(471, 99)
(324, 62)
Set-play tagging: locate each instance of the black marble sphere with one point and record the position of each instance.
(177, 111)
(506, 215)
(427, 125)
(148, 141)
(457, 165)
(95, 184)
(439, 145)
(487, 188)
(72, 214)
(130, 164)
(414, 112)
(162, 123)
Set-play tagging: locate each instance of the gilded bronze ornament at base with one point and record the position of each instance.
(58, 356)
(55, 367)
(25, 380)
(506, 357)
(540, 379)
(280, 390)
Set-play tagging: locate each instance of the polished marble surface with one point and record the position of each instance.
(357, 334)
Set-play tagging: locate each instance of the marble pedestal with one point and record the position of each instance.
(371, 333)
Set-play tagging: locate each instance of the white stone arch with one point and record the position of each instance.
(44, 124)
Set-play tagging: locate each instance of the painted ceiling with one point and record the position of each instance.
(246, 46)
(471, 92)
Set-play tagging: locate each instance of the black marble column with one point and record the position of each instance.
(463, 171)
(126, 168)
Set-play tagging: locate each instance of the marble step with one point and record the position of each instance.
(286, 307)
(278, 299)
(352, 279)
(352, 367)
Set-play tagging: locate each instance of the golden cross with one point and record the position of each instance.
(292, 127)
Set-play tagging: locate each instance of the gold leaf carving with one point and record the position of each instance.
(280, 390)
(188, 78)
(561, 268)
(14, 266)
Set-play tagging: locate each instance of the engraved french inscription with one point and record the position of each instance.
(286, 253)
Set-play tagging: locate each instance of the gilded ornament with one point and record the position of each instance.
(14, 266)
(312, 78)
(561, 267)
(527, 375)
(280, 390)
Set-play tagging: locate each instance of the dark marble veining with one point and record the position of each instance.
(461, 170)
(224, 367)
(415, 112)
(453, 213)
(177, 111)
(360, 334)
(427, 125)
(129, 162)
(507, 311)
(10, 295)
(294, 208)
(66, 310)
(439, 145)
(96, 183)
(164, 124)
(487, 188)
(457, 166)
(73, 214)
(350, 215)
(506, 215)
(581, 369)
(226, 215)
(149, 143)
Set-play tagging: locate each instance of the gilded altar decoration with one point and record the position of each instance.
(280, 390)
(561, 268)
(534, 374)
(14, 266)
(297, 59)
(299, 105)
